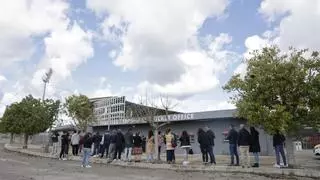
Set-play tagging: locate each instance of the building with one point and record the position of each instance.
(116, 112)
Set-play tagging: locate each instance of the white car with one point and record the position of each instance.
(316, 150)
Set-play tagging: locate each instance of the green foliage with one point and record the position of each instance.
(30, 116)
(280, 91)
(80, 109)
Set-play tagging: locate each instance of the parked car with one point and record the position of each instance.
(316, 150)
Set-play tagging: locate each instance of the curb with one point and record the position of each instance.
(223, 169)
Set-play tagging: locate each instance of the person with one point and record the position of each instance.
(144, 142)
(119, 144)
(170, 142)
(137, 147)
(75, 138)
(185, 141)
(278, 144)
(243, 143)
(81, 141)
(233, 141)
(87, 144)
(64, 144)
(203, 140)
(160, 142)
(112, 146)
(255, 145)
(96, 143)
(150, 146)
(106, 144)
(128, 138)
(211, 137)
(55, 142)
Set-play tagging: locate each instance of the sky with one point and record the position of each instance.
(184, 49)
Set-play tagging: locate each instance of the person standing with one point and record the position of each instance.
(244, 142)
(119, 144)
(160, 142)
(112, 146)
(81, 141)
(150, 146)
(203, 140)
(128, 138)
(106, 144)
(64, 146)
(278, 144)
(87, 144)
(75, 138)
(255, 145)
(233, 142)
(211, 137)
(96, 143)
(170, 142)
(137, 147)
(55, 142)
(185, 141)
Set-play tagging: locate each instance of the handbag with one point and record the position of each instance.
(190, 151)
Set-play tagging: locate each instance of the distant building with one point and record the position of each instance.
(115, 112)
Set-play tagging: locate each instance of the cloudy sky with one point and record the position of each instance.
(187, 49)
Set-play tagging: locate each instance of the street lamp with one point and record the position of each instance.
(46, 79)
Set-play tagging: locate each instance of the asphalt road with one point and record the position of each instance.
(14, 166)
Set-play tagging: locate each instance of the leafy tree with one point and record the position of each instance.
(280, 91)
(8, 121)
(81, 110)
(30, 116)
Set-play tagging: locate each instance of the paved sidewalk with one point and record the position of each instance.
(194, 166)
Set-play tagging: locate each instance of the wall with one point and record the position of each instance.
(217, 125)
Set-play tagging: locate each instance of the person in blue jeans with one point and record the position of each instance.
(278, 144)
(233, 143)
(87, 144)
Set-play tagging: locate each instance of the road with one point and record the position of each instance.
(14, 166)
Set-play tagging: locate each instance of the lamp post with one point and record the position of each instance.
(46, 79)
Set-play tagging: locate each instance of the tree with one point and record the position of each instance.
(8, 121)
(147, 109)
(30, 116)
(280, 91)
(81, 110)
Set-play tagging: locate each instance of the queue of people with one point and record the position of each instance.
(113, 143)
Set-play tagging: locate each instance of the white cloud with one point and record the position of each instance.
(154, 34)
(20, 20)
(202, 68)
(293, 18)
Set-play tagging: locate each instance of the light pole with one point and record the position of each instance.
(46, 79)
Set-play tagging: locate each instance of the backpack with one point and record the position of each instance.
(174, 141)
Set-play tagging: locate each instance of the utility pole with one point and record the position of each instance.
(46, 79)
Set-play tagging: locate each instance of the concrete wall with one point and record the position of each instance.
(217, 125)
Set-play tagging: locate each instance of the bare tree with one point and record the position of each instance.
(147, 110)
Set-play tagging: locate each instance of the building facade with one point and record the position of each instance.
(219, 121)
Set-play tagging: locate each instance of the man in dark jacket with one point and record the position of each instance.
(55, 141)
(112, 146)
(106, 144)
(211, 137)
(128, 138)
(244, 142)
(64, 145)
(119, 144)
(278, 144)
(233, 141)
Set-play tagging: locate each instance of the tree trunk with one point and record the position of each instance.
(25, 143)
(11, 138)
(291, 158)
(156, 143)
